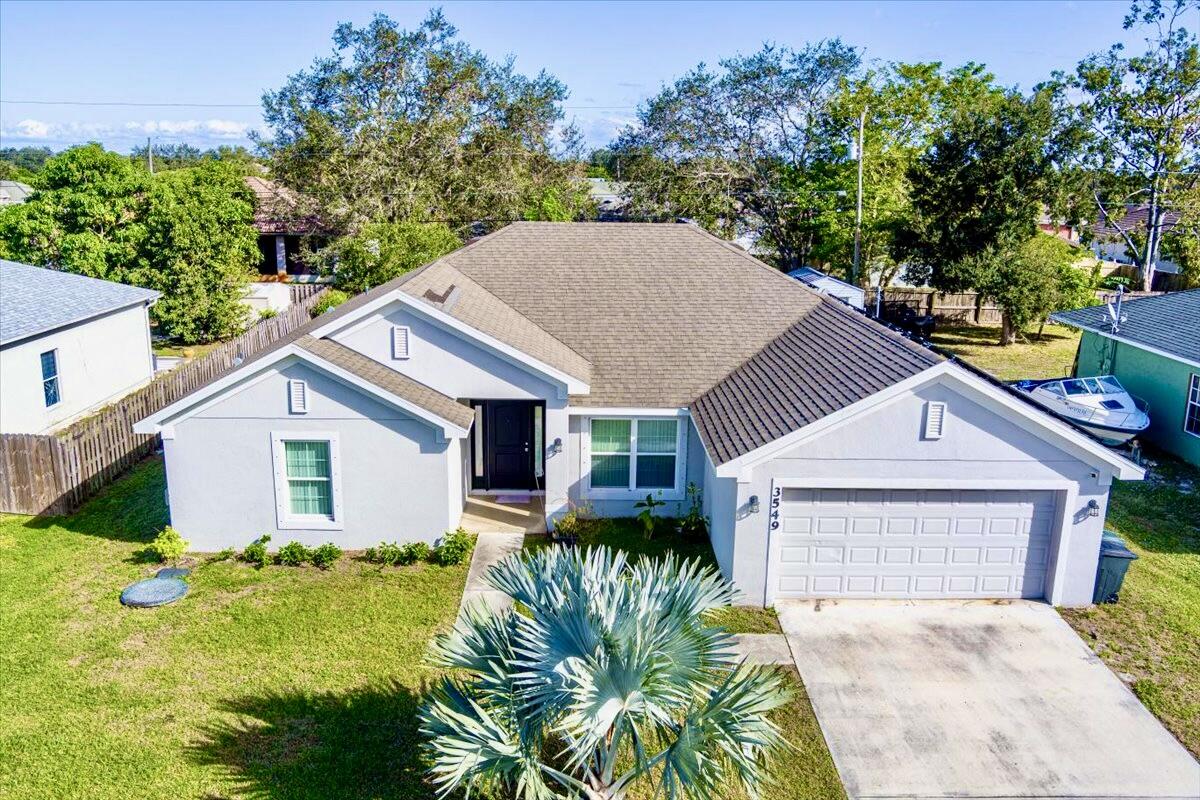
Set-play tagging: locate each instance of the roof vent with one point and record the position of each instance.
(298, 397)
(935, 420)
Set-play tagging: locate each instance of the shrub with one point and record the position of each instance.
(330, 300)
(324, 555)
(390, 554)
(649, 522)
(412, 552)
(223, 555)
(267, 313)
(693, 524)
(256, 552)
(168, 545)
(577, 524)
(293, 554)
(453, 548)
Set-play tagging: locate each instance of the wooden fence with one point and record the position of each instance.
(964, 307)
(54, 474)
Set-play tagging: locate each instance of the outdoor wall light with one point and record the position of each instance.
(556, 446)
(754, 504)
(1093, 508)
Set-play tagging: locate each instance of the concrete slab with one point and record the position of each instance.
(763, 648)
(490, 548)
(976, 699)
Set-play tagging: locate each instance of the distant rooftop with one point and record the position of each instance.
(36, 300)
(13, 192)
(1169, 323)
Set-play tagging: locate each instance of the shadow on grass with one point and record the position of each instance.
(133, 509)
(295, 746)
(989, 336)
(1159, 514)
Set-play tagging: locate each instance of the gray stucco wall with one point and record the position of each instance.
(886, 444)
(396, 475)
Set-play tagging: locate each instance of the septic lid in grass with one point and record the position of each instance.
(153, 592)
(173, 572)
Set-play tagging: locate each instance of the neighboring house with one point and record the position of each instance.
(848, 293)
(595, 363)
(1109, 245)
(1155, 355)
(284, 233)
(610, 197)
(68, 345)
(13, 192)
(1055, 227)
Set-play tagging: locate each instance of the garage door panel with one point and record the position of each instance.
(912, 543)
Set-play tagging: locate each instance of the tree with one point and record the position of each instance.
(415, 126)
(1145, 112)
(741, 149)
(613, 679)
(380, 251)
(200, 250)
(22, 164)
(976, 195)
(84, 218)
(174, 156)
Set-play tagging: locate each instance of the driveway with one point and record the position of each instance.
(992, 699)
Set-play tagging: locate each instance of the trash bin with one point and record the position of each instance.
(1110, 572)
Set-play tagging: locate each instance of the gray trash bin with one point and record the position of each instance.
(1115, 558)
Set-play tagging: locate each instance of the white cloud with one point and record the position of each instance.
(122, 135)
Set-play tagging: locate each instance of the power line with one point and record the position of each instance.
(133, 104)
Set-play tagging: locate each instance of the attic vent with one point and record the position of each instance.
(399, 341)
(935, 420)
(298, 397)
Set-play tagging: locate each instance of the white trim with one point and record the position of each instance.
(1020, 413)
(1130, 342)
(1066, 494)
(284, 519)
(673, 493)
(194, 403)
(601, 411)
(570, 383)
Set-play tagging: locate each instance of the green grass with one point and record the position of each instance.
(1050, 356)
(1152, 635)
(185, 350)
(279, 683)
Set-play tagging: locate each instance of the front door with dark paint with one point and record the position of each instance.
(508, 444)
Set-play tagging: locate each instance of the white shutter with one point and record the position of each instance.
(399, 341)
(298, 397)
(935, 420)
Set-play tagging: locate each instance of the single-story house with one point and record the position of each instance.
(285, 233)
(596, 363)
(1155, 354)
(69, 344)
(848, 293)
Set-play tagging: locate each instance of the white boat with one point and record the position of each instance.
(1098, 405)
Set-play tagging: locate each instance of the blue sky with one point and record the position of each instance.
(610, 55)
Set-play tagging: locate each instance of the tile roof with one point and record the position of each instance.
(275, 209)
(35, 300)
(1166, 322)
(389, 380)
(830, 358)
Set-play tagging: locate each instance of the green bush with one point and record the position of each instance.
(578, 523)
(256, 552)
(223, 555)
(168, 545)
(330, 300)
(412, 552)
(454, 548)
(390, 554)
(324, 555)
(293, 554)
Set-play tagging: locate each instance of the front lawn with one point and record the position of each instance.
(1049, 356)
(1151, 637)
(279, 683)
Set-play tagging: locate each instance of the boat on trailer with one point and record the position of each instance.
(1098, 405)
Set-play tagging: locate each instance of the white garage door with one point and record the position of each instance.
(910, 543)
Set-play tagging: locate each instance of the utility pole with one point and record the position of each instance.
(150, 156)
(862, 121)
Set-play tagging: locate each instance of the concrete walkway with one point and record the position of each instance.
(490, 548)
(974, 699)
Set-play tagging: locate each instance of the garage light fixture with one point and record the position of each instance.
(753, 506)
(556, 446)
(1093, 508)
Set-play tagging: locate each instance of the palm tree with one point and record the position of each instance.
(607, 676)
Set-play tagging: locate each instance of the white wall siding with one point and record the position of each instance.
(397, 475)
(99, 361)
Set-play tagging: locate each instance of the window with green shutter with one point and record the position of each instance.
(309, 478)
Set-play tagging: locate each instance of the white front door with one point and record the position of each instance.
(933, 543)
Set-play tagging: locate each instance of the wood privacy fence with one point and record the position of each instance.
(54, 474)
(964, 307)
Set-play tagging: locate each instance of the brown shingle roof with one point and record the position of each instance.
(404, 387)
(277, 209)
(830, 358)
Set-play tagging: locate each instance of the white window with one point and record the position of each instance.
(1191, 412)
(935, 420)
(399, 341)
(298, 397)
(634, 456)
(50, 378)
(308, 488)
